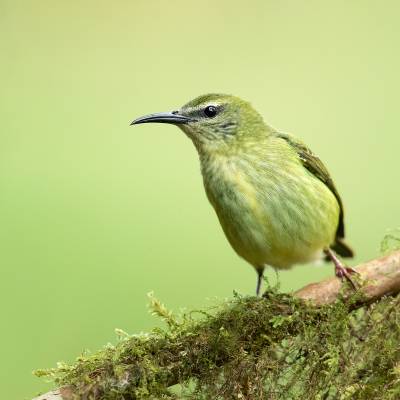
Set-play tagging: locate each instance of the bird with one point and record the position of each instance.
(274, 198)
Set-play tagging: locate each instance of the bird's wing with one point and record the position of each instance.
(313, 164)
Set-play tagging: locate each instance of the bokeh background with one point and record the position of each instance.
(94, 213)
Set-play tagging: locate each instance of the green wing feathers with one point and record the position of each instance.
(313, 164)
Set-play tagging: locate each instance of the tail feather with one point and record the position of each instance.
(342, 249)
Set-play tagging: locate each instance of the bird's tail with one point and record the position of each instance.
(342, 249)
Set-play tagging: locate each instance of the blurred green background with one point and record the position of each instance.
(94, 213)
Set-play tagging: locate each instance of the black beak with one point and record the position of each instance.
(164, 117)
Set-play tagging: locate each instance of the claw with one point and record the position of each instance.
(345, 272)
(352, 271)
(341, 271)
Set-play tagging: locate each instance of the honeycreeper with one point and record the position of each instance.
(274, 198)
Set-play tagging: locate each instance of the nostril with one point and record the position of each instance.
(175, 112)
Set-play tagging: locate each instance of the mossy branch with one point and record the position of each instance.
(336, 344)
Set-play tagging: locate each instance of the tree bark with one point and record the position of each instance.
(377, 278)
(59, 394)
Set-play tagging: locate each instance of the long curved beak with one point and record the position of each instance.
(164, 117)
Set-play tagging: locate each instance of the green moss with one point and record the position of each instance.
(391, 241)
(275, 347)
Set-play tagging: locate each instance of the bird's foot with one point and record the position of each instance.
(260, 277)
(341, 271)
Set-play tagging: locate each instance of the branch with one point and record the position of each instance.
(380, 277)
(59, 394)
(248, 318)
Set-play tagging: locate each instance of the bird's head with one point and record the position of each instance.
(213, 121)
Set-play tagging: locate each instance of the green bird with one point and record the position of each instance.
(274, 198)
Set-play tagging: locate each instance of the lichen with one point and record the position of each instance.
(275, 347)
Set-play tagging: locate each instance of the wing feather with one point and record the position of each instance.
(313, 164)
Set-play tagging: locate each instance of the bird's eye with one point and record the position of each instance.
(210, 111)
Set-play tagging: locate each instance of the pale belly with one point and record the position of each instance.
(277, 220)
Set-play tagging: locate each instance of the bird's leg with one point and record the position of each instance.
(341, 270)
(260, 276)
